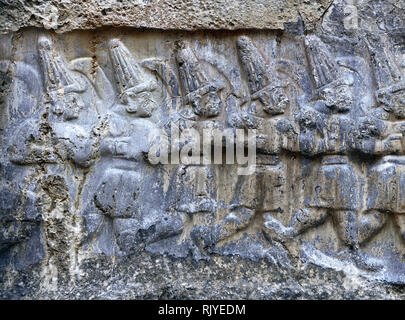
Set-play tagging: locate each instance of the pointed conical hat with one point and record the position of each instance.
(194, 78)
(323, 67)
(253, 63)
(386, 71)
(261, 77)
(57, 75)
(127, 72)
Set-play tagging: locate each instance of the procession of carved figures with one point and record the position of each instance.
(329, 147)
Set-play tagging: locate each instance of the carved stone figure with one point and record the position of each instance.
(197, 186)
(384, 193)
(333, 188)
(262, 192)
(54, 135)
(112, 214)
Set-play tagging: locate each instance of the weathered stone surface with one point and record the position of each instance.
(111, 180)
(63, 16)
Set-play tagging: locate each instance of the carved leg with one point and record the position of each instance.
(370, 223)
(105, 241)
(346, 226)
(92, 223)
(99, 234)
(400, 221)
(350, 230)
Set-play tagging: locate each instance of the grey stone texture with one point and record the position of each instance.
(63, 16)
(86, 212)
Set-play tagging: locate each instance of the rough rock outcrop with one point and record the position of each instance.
(63, 16)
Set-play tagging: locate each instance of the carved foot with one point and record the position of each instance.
(278, 228)
(366, 263)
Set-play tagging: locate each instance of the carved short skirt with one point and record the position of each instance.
(116, 195)
(271, 187)
(386, 185)
(334, 185)
(195, 189)
(262, 190)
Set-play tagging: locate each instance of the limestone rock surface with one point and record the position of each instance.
(260, 156)
(63, 16)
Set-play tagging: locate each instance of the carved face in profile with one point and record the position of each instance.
(338, 97)
(141, 104)
(274, 100)
(68, 106)
(394, 103)
(208, 105)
